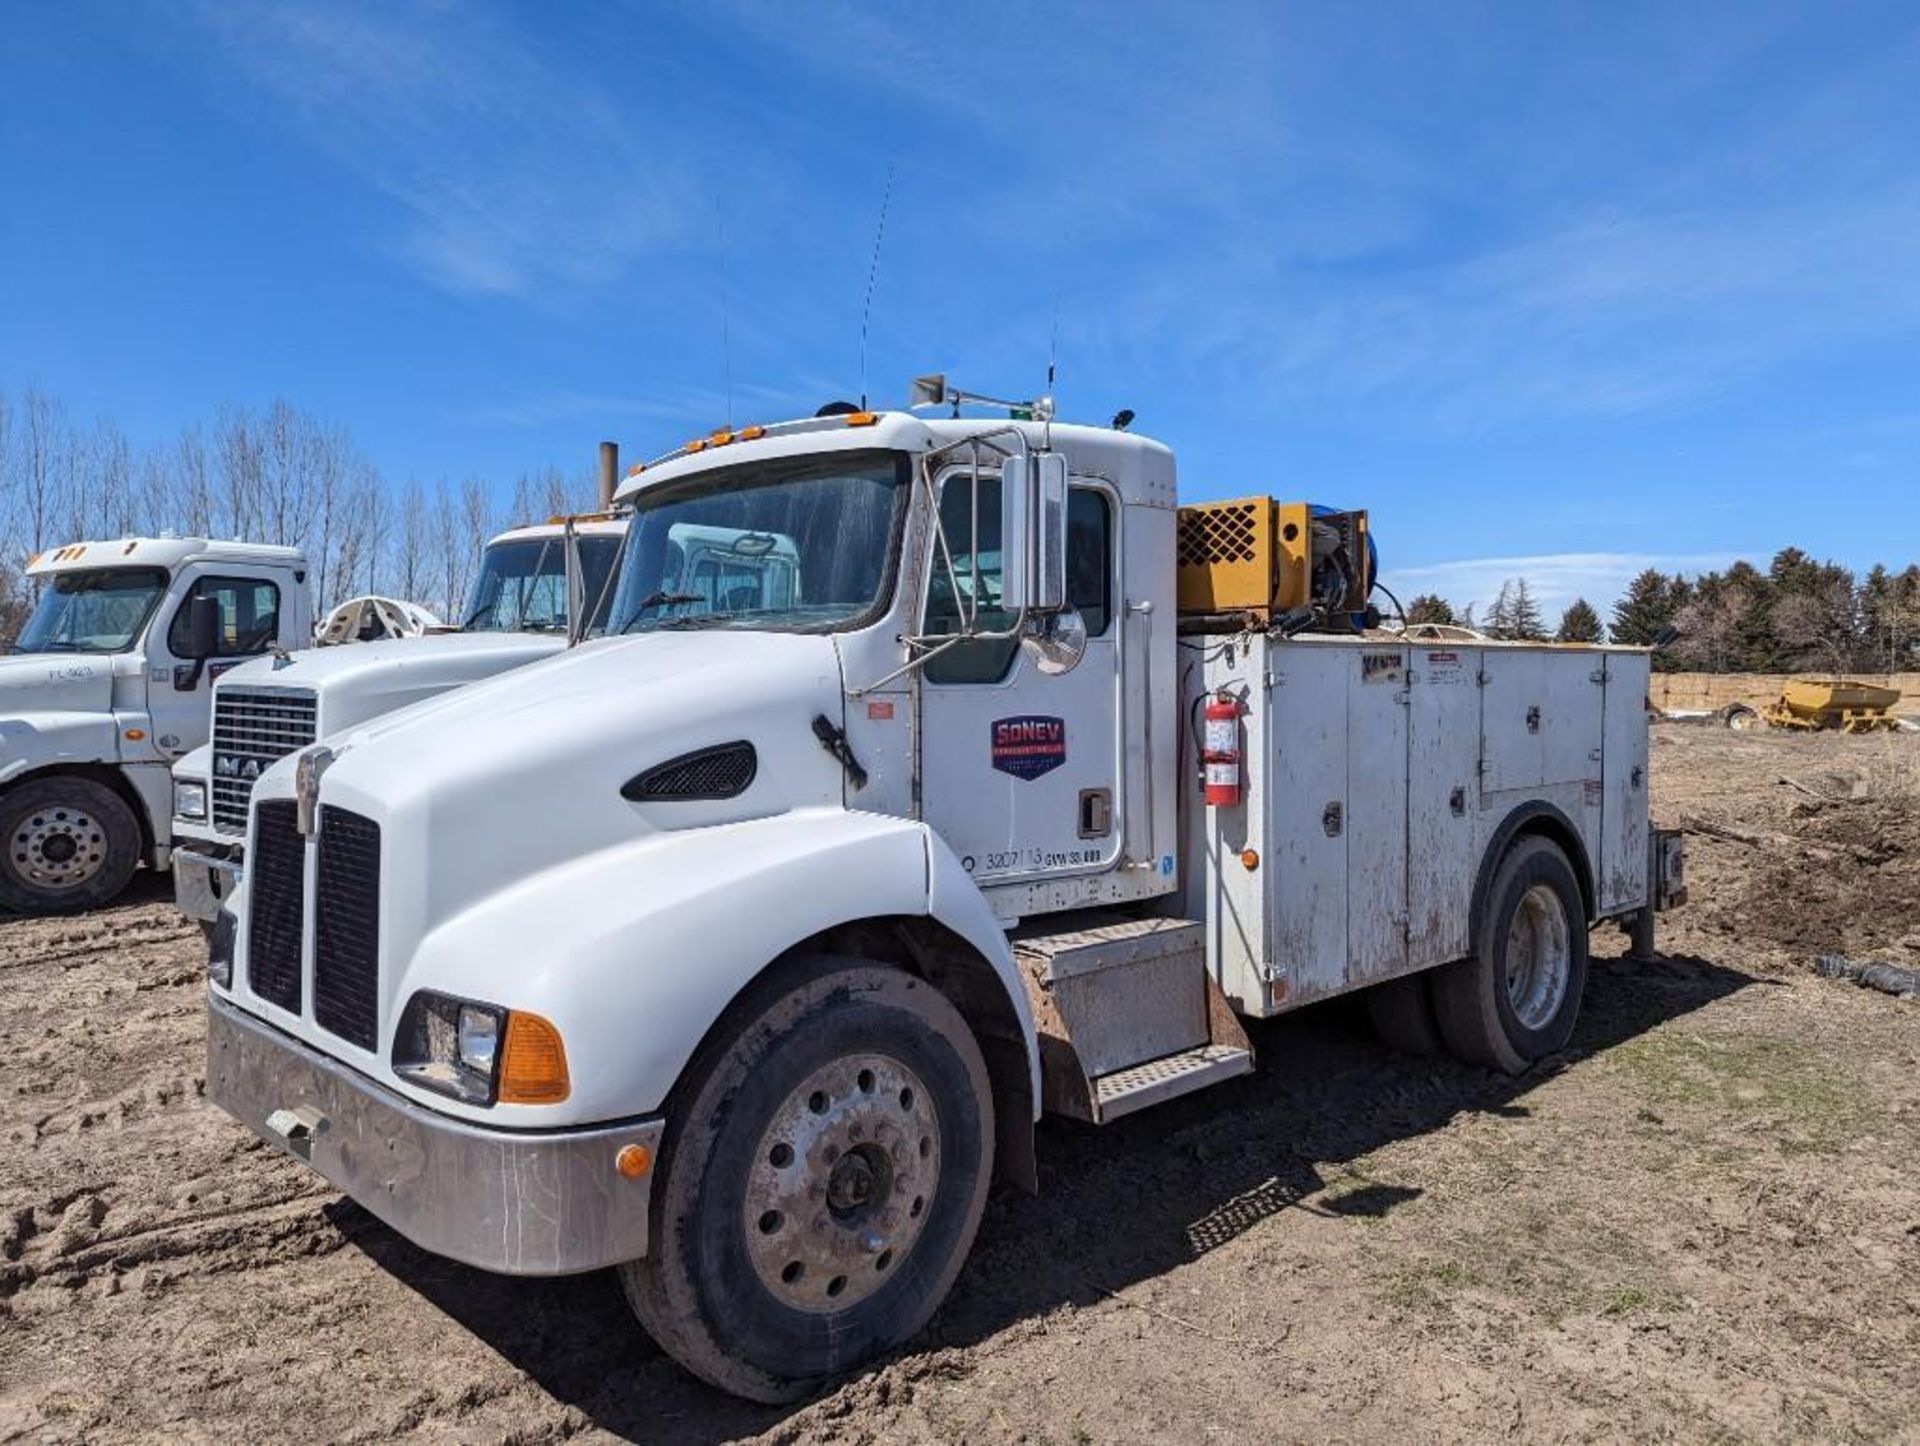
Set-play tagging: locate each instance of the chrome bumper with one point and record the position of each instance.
(517, 1203)
(201, 883)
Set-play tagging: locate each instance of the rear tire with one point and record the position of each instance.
(821, 1184)
(67, 844)
(1402, 1014)
(1517, 999)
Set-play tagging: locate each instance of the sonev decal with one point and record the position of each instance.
(1028, 746)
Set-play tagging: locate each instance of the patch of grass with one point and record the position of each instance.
(1424, 1284)
(1625, 1300)
(1813, 1097)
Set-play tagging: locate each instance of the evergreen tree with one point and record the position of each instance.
(1526, 624)
(1648, 606)
(1499, 623)
(1580, 624)
(1429, 608)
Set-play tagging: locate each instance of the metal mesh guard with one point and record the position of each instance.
(720, 772)
(1223, 533)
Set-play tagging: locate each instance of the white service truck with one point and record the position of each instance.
(534, 581)
(107, 685)
(741, 949)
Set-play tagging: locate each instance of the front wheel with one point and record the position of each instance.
(1517, 999)
(821, 1184)
(66, 844)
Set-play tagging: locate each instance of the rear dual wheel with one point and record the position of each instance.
(823, 1183)
(1517, 998)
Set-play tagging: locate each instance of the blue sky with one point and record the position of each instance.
(1549, 288)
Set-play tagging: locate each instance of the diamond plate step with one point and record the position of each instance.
(1127, 1090)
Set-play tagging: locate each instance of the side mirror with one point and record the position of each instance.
(203, 628)
(1033, 533)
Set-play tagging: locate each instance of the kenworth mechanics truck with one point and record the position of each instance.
(741, 949)
(534, 583)
(107, 685)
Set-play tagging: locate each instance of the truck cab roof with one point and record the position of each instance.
(1139, 467)
(167, 552)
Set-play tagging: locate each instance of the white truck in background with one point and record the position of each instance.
(107, 685)
(534, 583)
(741, 948)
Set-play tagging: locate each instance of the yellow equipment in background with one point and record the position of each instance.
(1256, 555)
(1849, 707)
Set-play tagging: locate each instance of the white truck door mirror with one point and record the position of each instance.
(1033, 533)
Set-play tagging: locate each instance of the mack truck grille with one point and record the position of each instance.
(253, 729)
(277, 872)
(346, 918)
(346, 927)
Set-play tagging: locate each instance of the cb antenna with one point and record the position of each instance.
(726, 329)
(873, 275)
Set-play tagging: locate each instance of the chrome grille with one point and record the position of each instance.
(253, 728)
(346, 927)
(276, 873)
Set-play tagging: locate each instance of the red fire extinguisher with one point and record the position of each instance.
(1221, 751)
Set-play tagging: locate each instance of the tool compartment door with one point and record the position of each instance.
(1376, 814)
(1443, 761)
(1622, 866)
(1306, 797)
(1540, 718)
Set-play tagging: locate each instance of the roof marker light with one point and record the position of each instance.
(753, 433)
(862, 419)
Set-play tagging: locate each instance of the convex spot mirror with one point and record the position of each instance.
(1033, 533)
(1056, 642)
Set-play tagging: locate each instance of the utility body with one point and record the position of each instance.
(742, 948)
(107, 685)
(534, 584)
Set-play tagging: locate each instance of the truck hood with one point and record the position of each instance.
(55, 683)
(484, 786)
(359, 681)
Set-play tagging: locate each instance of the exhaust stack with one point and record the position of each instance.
(609, 473)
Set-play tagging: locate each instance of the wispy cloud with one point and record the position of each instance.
(511, 172)
(1555, 579)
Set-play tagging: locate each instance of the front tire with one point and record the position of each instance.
(67, 844)
(1517, 999)
(820, 1186)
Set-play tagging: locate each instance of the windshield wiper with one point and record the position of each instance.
(659, 600)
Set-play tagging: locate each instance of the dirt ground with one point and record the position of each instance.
(1701, 1222)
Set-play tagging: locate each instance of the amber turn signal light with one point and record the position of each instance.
(633, 1161)
(533, 1067)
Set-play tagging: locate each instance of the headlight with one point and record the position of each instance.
(480, 1053)
(190, 800)
(450, 1046)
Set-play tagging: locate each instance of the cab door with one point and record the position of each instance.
(1021, 770)
(247, 608)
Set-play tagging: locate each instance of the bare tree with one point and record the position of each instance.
(1713, 627)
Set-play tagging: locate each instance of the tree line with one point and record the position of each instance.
(271, 474)
(1798, 615)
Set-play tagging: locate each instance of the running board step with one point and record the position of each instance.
(1126, 1011)
(1159, 1080)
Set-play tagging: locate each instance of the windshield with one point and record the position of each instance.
(797, 543)
(522, 587)
(96, 610)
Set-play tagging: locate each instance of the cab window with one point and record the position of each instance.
(976, 565)
(248, 609)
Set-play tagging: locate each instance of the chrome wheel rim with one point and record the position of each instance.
(842, 1183)
(1539, 957)
(58, 847)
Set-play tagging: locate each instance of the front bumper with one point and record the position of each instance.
(202, 882)
(510, 1201)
